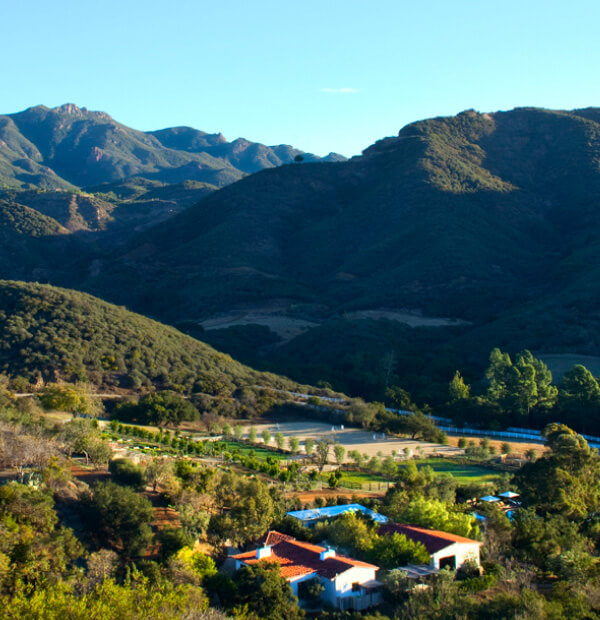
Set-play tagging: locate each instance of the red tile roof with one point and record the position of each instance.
(272, 537)
(299, 558)
(433, 540)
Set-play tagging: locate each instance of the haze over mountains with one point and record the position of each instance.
(488, 219)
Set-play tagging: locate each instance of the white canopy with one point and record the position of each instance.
(509, 494)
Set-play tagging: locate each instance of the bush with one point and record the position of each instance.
(127, 473)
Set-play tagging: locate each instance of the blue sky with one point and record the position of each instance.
(324, 76)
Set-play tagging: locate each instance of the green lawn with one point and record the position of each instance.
(463, 473)
(259, 452)
(358, 477)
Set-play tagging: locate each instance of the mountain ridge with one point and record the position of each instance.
(68, 146)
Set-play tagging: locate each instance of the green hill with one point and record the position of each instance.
(61, 334)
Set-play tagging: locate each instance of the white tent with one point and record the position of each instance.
(508, 495)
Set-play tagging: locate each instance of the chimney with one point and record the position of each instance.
(263, 552)
(327, 553)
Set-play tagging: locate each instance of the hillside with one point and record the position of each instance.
(68, 146)
(486, 218)
(60, 334)
(481, 228)
(454, 216)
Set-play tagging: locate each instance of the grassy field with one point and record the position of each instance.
(463, 473)
(259, 453)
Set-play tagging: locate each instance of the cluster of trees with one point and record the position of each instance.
(162, 408)
(120, 562)
(42, 328)
(521, 392)
(357, 536)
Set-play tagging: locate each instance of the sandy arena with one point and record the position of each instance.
(352, 439)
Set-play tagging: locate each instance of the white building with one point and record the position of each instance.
(348, 583)
(443, 548)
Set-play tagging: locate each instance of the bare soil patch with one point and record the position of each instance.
(284, 326)
(308, 497)
(518, 448)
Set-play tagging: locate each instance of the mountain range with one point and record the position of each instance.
(417, 257)
(68, 147)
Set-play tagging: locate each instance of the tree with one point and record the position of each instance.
(418, 425)
(506, 448)
(350, 532)
(280, 440)
(294, 444)
(200, 565)
(399, 398)
(172, 539)
(356, 457)
(579, 396)
(83, 436)
(435, 514)
(266, 436)
(76, 398)
(266, 593)
(458, 389)
(22, 451)
(238, 431)
(157, 471)
(389, 468)
(363, 413)
(323, 446)
(161, 408)
(499, 375)
(227, 430)
(118, 518)
(339, 452)
(309, 445)
(565, 480)
(126, 472)
(252, 434)
(395, 550)
(252, 510)
(530, 454)
(520, 386)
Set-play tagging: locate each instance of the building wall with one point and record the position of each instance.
(462, 552)
(341, 587)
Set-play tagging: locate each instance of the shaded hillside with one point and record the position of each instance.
(33, 245)
(489, 218)
(464, 216)
(60, 334)
(70, 146)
